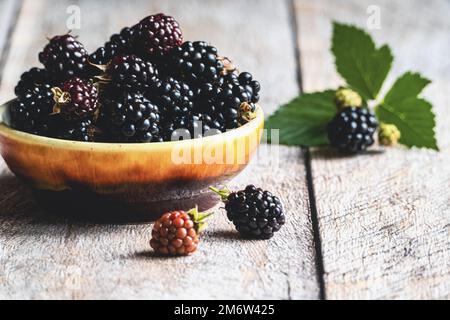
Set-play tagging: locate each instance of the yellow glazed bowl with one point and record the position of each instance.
(135, 181)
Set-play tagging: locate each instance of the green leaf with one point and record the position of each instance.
(303, 121)
(360, 63)
(412, 115)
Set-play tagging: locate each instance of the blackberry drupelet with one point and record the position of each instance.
(158, 34)
(352, 129)
(64, 57)
(174, 98)
(254, 212)
(77, 100)
(83, 130)
(196, 63)
(132, 118)
(31, 78)
(31, 111)
(130, 73)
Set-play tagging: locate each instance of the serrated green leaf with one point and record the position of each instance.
(303, 121)
(412, 115)
(359, 62)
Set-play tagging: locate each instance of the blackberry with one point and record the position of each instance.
(177, 232)
(251, 86)
(83, 130)
(174, 98)
(78, 99)
(352, 129)
(104, 54)
(158, 34)
(132, 118)
(31, 111)
(131, 74)
(229, 102)
(126, 40)
(64, 57)
(196, 63)
(31, 78)
(254, 212)
(122, 43)
(193, 126)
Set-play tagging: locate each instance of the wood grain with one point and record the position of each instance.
(384, 217)
(45, 257)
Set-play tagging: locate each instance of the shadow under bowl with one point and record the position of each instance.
(126, 182)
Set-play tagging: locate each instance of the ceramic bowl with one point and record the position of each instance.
(135, 181)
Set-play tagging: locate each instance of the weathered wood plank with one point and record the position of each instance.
(41, 257)
(384, 217)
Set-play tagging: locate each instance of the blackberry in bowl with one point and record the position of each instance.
(122, 181)
(134, 128)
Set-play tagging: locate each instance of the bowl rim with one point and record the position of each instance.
(30, 138)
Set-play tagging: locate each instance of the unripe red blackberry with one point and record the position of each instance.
(176, 232)
(64, 57)
(158, 34)
(352, 129)
(77, 100)
(255, 213)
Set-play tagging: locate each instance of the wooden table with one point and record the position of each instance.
(375, 226)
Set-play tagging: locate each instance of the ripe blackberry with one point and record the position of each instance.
(103, 55)
(196, 63)
(228, 102)
(254, 212)
(132, 118)
(31, 78)
(126, 40)
(158, 34)
(174, 98)
(32, 109)
(83, 130)
(122, 43)
(64, 57)
(352, 129)
(78, 99)
(176, 232)
(131, 74)
(192, 126)
(251, 86)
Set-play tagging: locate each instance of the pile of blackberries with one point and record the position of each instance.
(144, 85)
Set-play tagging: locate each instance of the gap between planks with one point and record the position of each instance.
(320, 270)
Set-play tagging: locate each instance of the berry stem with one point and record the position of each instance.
(199, 218)
(223, 193)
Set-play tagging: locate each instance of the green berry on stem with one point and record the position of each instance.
(388, 134)
(346, 97)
